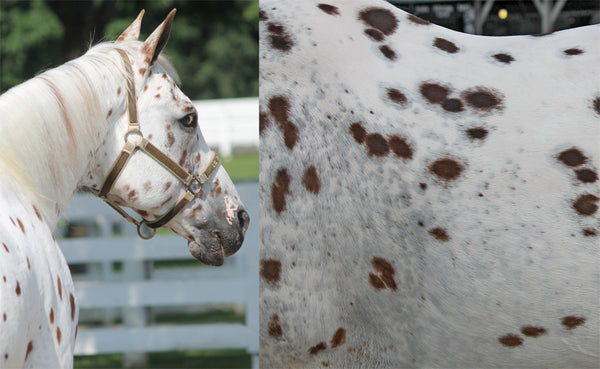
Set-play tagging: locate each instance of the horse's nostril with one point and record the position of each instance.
(243, 218)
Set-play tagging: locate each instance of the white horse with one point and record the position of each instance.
(63, 130)
(428, 198)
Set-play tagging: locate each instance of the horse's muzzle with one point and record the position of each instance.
(212, 246)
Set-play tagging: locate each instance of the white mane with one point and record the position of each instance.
(51, 125)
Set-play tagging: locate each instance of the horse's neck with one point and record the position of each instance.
(52, 125)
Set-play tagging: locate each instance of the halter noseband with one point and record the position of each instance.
(152, 151)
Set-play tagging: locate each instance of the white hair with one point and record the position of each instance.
(51, 125)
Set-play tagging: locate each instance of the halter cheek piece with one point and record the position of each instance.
(152, 151)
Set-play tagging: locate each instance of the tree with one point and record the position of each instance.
(213, 45)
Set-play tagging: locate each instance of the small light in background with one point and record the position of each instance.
(502, 14)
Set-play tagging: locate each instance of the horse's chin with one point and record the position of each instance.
(209, 252)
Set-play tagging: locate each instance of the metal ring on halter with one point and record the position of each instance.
(135, 131)
(139, 230)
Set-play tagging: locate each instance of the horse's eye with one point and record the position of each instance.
(189, 121)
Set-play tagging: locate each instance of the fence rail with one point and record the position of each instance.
(126, 296)
(229, 123)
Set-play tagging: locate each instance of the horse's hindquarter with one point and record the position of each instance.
(435, 203)
(37, 302)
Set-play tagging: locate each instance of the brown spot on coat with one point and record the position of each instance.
(183, 158)
(388, 52)
(572, 157)
(586, 204)
(263, 122)
(274, 327)
(453, 105)
(572, 322)
(439, 234)
(445, 45)
(385, 274)
(132, 195)
(596, 105)
(262, 15)
(280, 189)
(170, 139)
(374, 34)
(21, 225)
(329, 9)
(51, 316)
(339, 337)
(72, 303)
(590, 232)
(586, 175)
(167, 186)
(416, 20)
(18, 289)
(6, 248)
(279, 107)
(400, 147)
(279, 38)
(446, 169)
(37, 213)
(270, 271)
(531, 331)
(503, 58)
(29, 349)
(477, 133)
(358, 132)
(58, 335)
(59, 287)
(482, 98)
(142, 71)
(511, 340)
(377, 145)
(573, 51)
(318, 347)
(310, 180)
(397, 96)
(380, 19)
(434, 93)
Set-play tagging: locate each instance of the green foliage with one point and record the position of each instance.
(213, 44)
(29, 38)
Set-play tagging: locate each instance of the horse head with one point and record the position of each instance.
(155, 160)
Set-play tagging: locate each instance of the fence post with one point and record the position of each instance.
(134, 270)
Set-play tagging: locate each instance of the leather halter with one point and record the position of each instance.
(152, 151)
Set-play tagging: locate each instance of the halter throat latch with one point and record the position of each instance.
(188, 179)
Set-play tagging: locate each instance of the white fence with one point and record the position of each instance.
(127, 297)
(229, 123)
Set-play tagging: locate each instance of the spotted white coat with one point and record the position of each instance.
(428, 198)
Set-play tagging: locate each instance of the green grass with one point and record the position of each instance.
(217, 359)
(214, 359)
(242, 167)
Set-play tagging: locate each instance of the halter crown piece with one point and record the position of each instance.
(152, 151)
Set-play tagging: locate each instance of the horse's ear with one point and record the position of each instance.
(158, 39)
(133, 31)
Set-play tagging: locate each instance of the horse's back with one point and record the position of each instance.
(37, 306)
(428, 198)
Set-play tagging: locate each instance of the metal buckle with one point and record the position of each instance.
(143, 224)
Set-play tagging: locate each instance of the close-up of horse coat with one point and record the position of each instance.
(62, 130)
(428, 198)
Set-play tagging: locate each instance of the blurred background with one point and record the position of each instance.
(149, 303)
(505, 17)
